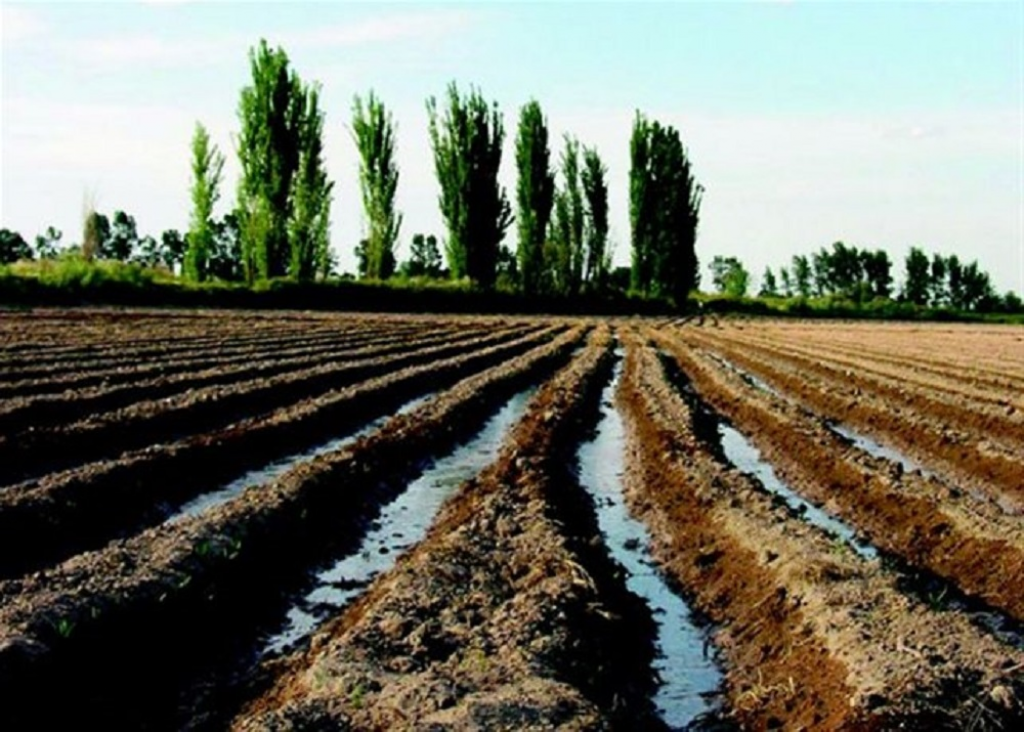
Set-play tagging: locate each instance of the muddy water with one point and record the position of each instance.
(858, 440)
(743, 455)
(401, 523)
(875, 449)
(279, 467)
(689, 677)
(937, 593)
(754, 381)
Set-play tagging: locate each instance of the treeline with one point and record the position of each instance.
(863, 276)
(279, 224)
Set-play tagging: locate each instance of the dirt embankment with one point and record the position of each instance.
(144, 423)
(974, 545)
(507, 616)
(813, 636)
(955, 443)
(45, 521)
(206, 582)
(47, 410)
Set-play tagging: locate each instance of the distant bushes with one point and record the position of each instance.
(71, 280)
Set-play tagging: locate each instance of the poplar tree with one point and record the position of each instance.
(207, 167)
(310, 196)
(595, 191)
(373, 128)
(466, 138)
(535, 192)
(664, 212)
(271, 112)
(567, 231)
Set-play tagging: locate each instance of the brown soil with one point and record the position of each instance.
(198, 578)
(64, 513)
(510, 614)
(789, 602)
(501, 619)
(953, 440)
(32, 452)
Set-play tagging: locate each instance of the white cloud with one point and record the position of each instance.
(20, 23)
(383, 29)
(155, 49)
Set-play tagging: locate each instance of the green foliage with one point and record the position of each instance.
(13, 247)
(172, 250)
(123, 240)
(207, 168)
(47, 246)
(769, 286)
(729, 276)
(565, 250)
(664, 212)
(535, 192)
(802, 276)
(787, 283)
(917, 281)
(310, 196)
(467, 138)
(595, 191)
(425, 257)
(271, 113)
(225, 261)
(373, 128)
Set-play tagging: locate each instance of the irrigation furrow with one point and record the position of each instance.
(812, 638)
(507, 616)
(944, 394)
(170, 338)
(957, 446)
(688, 676)
(60, 515)
(938, 376)
(105, 372)
(50, 410)
(161, 338)
(971, 544)
(209, 582)
(173, 352)
(35, 452)
(965, 351)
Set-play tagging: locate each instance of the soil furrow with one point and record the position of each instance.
(972, 545)
(62, 514)
(508, 616)
(108, 372)
(35, 452)
(120, 359)
(956, 445)
(209, 581)
(48, 411)
(1001, 412)
(812, 638)
(166, 338)
(943, 384)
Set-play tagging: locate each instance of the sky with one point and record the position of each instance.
(884, 125)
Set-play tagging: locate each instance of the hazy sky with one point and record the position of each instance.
(882, 124)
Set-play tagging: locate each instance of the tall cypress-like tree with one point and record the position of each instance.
(466, 139)
(535, 192)
(374, 128)
(271, 112)
(207, 167)
(567, 230)
(310, 197)
(595, 191)
(664, 212)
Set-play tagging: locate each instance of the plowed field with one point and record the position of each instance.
(268, 521)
